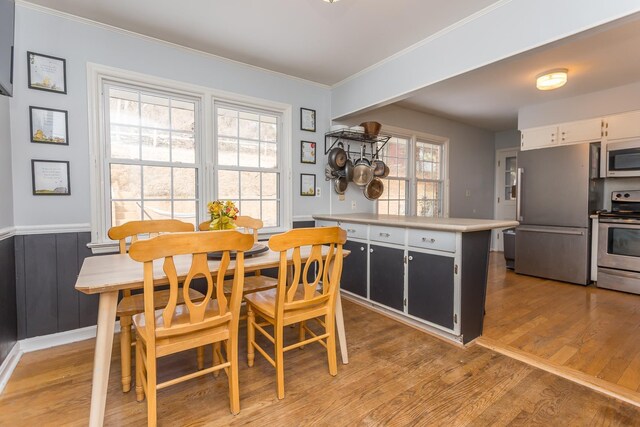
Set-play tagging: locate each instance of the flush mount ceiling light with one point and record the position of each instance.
(331, 1)
(552, 79)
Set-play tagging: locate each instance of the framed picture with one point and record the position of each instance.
(50, 178)
(307, 184)
(49, 126)
(47, 72)
(308, 119)
(308, 152)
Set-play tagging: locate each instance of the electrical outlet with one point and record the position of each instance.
(467, 193)
(353, 205)
(341, 197)
(317, 191)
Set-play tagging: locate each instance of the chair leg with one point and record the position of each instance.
(152, 415)
(200, 358)
(139, 372)
(234, 387)
(125, 352)
(301, 334)
(279, 336)
(216, 359)
(330, 328)
(251, 335)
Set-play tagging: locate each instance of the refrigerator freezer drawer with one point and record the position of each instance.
(557, 253)
(619, 280)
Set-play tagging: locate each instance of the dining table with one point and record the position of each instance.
(107, 275)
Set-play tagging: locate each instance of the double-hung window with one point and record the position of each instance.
(395, 155)
(429, 178)
(151, 155)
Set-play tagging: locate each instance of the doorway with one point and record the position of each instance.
(505, 192)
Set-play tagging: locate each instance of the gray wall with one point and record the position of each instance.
(471, 155)
(592, 105)
(507, 139)
(79, 43)
(6, 191)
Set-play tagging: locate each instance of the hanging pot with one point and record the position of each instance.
(337, 157)
(362, 172)
(348, 167)
(341, 184)
(378, 166)
(386, 172)
(329, 173)
(374, 189)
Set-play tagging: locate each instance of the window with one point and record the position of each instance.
(395, 155)
(248, 166)
(150, 156)
(416, 184)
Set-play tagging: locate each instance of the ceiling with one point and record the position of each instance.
(310, 39)
(490, 97)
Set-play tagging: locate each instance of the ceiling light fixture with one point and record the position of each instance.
(552, 79)
(331, 1)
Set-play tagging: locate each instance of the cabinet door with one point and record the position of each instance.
(539, 137)
(623, 125)
(431, 288)
(581, 131)
(354, 269)
(386, 276)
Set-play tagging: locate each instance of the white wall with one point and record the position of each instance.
(6, 190)
(596, 104)
(471, 154)
(80, 42)
(507, 139)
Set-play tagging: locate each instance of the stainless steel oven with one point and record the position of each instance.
(619, 243)
(623, 158)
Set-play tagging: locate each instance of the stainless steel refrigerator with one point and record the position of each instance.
(558, 188)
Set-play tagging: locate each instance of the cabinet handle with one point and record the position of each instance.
(432, 240)
(410, 258)
(385, 235)
(361, 248)
(350, 230)
(371, 250)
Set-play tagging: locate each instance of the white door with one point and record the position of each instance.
(505, 206)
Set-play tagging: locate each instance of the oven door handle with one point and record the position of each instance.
(632, 223)
(519, 195)
(550, 231)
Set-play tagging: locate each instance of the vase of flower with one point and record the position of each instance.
(223, 215)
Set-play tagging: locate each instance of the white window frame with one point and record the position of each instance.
(98, 74)
(414, 136)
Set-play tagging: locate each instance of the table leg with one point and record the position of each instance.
(102, 356)
(340, 330)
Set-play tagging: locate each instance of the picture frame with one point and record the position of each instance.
(48, 126)
(308, 119)
(308, 152)
(50, 177)
(47, 73)
(307, 184)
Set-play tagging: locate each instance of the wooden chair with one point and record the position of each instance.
(256, 282)
(298, 302)
(179, 327)
(134, 304)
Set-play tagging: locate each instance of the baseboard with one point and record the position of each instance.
(9, 364)
(60, 338)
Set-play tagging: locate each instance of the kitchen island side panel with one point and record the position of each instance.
(475, 268)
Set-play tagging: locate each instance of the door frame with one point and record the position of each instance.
(498, 190)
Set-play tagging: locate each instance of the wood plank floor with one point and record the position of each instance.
(396, 376)
(588, 330)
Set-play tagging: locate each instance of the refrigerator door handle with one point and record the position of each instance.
(519, 195)
(550, 231)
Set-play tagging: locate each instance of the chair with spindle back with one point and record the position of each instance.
(134, 304)
(179, 327)
(256, 281)
(299, 301)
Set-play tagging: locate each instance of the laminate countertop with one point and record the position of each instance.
(418, 222)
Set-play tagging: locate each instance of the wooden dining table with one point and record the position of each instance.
(106, 275)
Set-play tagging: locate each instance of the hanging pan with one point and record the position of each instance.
(337, 157)
(374, 189)
(362, 172)
(340, 185)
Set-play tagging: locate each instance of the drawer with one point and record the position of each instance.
(387, 234)
(431, 239)
(323, 223)
(355, 231)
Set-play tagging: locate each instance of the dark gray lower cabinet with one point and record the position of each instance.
(386, 276)
(431, 288)
(354, 269)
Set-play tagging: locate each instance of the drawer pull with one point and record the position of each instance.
(350, 230)
(410, 258)
(432, 240)
(385, 235)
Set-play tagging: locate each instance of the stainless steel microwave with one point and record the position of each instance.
(623, 158)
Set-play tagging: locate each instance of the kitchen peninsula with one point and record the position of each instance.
(429, 272)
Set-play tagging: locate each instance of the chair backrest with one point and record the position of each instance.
(246, 222)
(134, 228)
(166, 247)
(328, 269)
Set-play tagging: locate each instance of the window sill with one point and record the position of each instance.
(101, 248)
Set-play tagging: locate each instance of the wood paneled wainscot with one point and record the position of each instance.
(429, 272)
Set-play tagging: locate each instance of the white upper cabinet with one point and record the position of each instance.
(539, 137)
(580, 131)
(622, 126)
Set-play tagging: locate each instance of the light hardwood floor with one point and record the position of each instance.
(584, 331)
(396, 376)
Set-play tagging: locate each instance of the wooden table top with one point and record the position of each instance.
(108, 273)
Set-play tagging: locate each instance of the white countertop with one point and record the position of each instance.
(443, 224)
